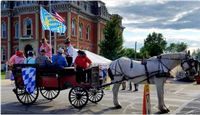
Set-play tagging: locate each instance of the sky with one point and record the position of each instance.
(178, 21)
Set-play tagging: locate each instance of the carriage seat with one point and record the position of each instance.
(47, 71)
(17, 68)
(67, 71)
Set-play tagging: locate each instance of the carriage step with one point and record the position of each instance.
(14, 90)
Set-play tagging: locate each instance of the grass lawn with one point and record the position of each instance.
(3, 75)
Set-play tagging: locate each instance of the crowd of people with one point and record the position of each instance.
(63, 58)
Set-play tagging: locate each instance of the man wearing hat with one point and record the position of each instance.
(18, 58)
(47, 48)
(59, 60)
(42, 60)
(82, 65)
(69, 52)
(30, 59)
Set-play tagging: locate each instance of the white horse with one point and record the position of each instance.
(155, 71)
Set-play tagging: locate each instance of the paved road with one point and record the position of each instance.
(179, 98)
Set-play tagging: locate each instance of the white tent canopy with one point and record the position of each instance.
(97, 60)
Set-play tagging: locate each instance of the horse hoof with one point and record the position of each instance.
(168, 110)
(164, 111)
(118, 107)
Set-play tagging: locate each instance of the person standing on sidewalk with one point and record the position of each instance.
(136, 86)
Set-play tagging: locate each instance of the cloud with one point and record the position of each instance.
(162, 15)
(178, 21)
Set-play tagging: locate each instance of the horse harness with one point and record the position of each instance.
(147, 73)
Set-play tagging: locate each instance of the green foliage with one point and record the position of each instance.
(112, 46)
(177, 47)
(196, 52)
(130, 53)
(181, 46)
(3, 75)
(154, 45)
(144, 53)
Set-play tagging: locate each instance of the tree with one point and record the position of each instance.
(154, 44)
(130, 53)
(111, 46)
(177, 47)
(171, 48)
(181, 46)
(196, 52)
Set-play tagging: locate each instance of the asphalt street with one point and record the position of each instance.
(180, 98)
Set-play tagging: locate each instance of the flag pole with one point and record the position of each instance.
(50, 30)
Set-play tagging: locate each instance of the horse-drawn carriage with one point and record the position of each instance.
(50, 81)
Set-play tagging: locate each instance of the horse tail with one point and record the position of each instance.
(110, 74)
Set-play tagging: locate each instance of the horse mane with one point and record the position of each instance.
(179, 55)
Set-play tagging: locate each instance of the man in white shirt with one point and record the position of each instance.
(69, 52)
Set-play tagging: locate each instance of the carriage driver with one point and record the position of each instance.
(82, 65)
(69, 52)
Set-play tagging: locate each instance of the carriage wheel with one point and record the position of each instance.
(23, 96)
(78, 96)
(49, 94)
(95, 95)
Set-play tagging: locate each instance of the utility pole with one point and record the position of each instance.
(135, 49)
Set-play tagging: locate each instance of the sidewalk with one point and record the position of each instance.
(5, 82)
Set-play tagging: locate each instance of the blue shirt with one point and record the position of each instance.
(30, 60)
(59, 60)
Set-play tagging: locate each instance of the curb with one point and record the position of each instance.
(6, 82)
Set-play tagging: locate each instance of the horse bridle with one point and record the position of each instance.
(188, 63)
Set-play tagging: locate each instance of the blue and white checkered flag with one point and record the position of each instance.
(28, 75)
(50, 23)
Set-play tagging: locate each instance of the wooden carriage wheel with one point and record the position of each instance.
(23, 96)
(78, 96)
(49, 93)
(95, 95)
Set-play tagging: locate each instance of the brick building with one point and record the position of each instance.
(21, 26)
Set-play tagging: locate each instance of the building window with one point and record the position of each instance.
(88, 32)
(85, 7)
(24, 2)
(4, 4)
(3, 30)
(80, 30)
(16, 48)
(78, 3)
(17, 30)
(17, 3)
(52, 34)
(28, 27)
(3, 53)
(62, 34)
(73, 27)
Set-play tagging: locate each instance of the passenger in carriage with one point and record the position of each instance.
(30, 59)
(18, 58)
(47, 48)
(82, 65)
(59, 60)
(69, 52)
(42, 60)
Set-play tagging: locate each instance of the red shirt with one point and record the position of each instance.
(82, 61)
